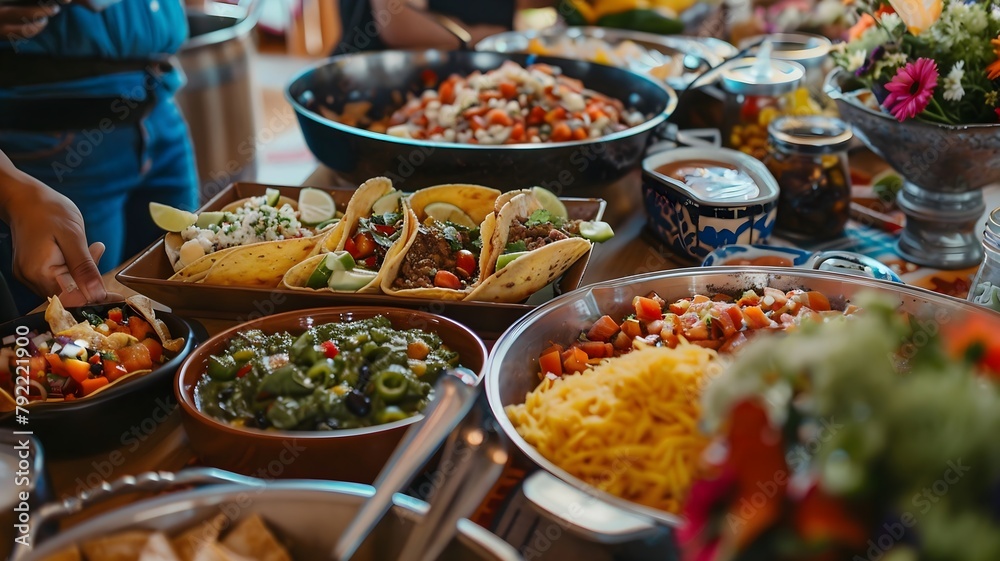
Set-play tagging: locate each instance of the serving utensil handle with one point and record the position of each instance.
(142, 483)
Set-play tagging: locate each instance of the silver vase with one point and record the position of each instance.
(944, 170)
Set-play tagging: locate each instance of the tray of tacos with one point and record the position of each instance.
(468, 252)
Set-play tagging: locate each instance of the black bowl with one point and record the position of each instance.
(384, 79)
(124, 413)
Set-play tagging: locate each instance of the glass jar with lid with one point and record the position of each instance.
(808, 158)
(810, 50)
(756, 90)
(985, 289)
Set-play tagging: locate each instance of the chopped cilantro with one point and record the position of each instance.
(454, 238)
(516, 247)
(94, 319)
(542, 216)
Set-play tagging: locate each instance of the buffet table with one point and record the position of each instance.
(161, 445)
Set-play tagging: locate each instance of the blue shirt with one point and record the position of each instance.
(129, 29)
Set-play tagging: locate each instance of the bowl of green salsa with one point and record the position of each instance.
(324, 393)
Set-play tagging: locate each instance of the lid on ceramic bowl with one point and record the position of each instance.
(807, 49)
(762, 76)
(713, 176)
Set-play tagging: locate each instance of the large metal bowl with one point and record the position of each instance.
(308, 516)
(384, 79)
(512, 371)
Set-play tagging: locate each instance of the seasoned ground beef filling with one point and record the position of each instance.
(538, 235)
(430, 253)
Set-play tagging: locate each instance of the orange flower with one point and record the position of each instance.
(993, 70)
(858, 29)
(918, 15)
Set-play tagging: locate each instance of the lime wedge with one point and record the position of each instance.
(550, 202)
(447, 212)
(351, 281)
(271, 197)
(210, 218)
(596, 231)
(506, 258)
(171, 219)
(387, 203)
(315, 206)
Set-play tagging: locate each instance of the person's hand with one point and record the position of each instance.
(24, 22)
(50, 249)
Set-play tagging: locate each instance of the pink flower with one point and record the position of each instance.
(911, 89)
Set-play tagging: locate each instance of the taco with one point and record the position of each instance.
(77, 359)
(444, 256)
(375, 227)
(531, 247)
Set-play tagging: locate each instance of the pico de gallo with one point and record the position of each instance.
(442, 255)
(509, 105)
(76, 359)
(720, 322)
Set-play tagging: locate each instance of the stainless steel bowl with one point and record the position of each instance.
(511, 371)
(308, 516)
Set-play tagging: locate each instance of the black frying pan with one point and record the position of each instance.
(381, 77)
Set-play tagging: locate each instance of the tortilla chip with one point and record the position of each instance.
(216, 552)
(124, 546)
(144, 306)
(158, 548)
(187, 544)
(251, 538)
(68, 554)
(477, 201)
(262, 264)
(58, 318)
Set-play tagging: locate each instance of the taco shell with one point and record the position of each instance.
(477, 201)
(530, 273)
(261, 264)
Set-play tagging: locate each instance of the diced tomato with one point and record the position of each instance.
(603, 329)
(446, 93)
(726, 323)
(818, 301)
(536, 116)
(351, 248)
(365, 244)
(371, 262)
(655, 326)
(447, 279)
(135, 357)
(508, 90)
(646, 309)
(77, 369)
(113, 370)
(631, 328)
(550, 362)
(553, 347)
(37, 364)
(755, 318)
(476, 122)
(749, 298)
(465, 259)
(580, 134)
(594, 349)
(498, 117)
(694, 328)
(555, 116)
(94, 358)
(140, 328)
(736, 316)
(734, 342)
(561, 133)
(517, 133)
(680, 306)
(384, 230)
(244, 370)
(700, 299)
(155, 349)
(708, 343)
(595, 112)
(486, 96)
(115, 315)
(90, 385)
(330, 349)
(774, 298)
(477, 111)
(69, 397)
(574, 360)
(56, 365)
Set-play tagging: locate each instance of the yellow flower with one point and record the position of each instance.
(918, 15)
(993, 70)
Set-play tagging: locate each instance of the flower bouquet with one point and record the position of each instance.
(933, 60)
(871, 438)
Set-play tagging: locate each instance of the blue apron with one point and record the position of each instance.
(113, 172)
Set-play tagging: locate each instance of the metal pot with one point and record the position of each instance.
(384, 78)
(218, 99)
(308, 516)
(512, 371)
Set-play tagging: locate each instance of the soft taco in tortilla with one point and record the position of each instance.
(444, 257)
(531, 247)
(80, 357)
(376, 225)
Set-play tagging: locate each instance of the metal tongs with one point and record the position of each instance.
(474, 456)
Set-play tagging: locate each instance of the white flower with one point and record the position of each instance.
(855, 59)
(953, 90)
(896, 59)
(891, 22)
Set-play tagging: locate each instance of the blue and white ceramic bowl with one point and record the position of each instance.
(693, 226)
(762, 255)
